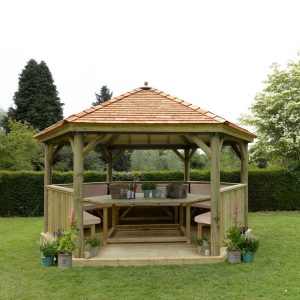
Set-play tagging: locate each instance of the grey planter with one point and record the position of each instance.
(93, 251)
(64, 260)
(234, 256)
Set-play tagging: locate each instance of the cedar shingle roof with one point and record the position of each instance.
(144, 106)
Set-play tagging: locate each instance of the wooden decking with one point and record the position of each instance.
(148, 254)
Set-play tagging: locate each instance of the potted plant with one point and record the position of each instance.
(249, 245)
(202, 245)
(94, 244)
(147, 187)
(233, 244)
(48, 250)
(65, 246)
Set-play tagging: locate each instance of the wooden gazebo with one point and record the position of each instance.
(144, 118)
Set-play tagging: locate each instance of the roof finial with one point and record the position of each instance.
(145, 87)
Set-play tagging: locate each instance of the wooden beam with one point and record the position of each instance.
(56, 151)
(200, 144)
(109, 166)
(215, 194)
(236, 150)
(47, 181)
(71, 140)
(92, 144)
(193, 151)
(112, 139)
(186, 165)
(244, 179)
(78, 189)
(178, 154)
(104, 154)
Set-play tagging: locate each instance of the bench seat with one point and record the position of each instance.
(202, 220)
(89, 221)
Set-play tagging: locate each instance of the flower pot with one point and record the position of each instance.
(234, 256)
(147, 193)
(248, 257)
(64, 260)
(46, 261)
(93, 251)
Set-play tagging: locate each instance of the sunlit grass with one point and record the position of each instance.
(275, 274)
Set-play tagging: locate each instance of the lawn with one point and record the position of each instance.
(275, 274)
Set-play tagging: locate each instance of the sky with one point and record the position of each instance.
(214, 54)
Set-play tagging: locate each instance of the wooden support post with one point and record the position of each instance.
(186, 165)
(188, 223)
(244, 179)
(105, 225)
(47, 180)
(215, 194)
(109, 166)
(78, 188)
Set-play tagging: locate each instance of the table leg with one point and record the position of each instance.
(113, 215)
(181, 215)
(188, 223)
(105, 225)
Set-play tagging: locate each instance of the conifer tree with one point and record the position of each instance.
(36, 100)
(105, 94)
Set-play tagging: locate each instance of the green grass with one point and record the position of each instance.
(275, 274)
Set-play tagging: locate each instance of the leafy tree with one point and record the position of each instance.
(105, 94)
(276, 116)
(3, 117)
(36, 100)
(19, 150)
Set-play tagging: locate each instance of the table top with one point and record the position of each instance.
(106, 200)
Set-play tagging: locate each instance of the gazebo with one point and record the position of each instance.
(145, 118)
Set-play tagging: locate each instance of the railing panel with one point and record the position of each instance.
(231, 208)
(60, 201)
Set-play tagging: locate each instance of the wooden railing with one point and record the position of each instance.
(60, 201)
(231, 208)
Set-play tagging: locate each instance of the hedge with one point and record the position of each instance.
(21, 193)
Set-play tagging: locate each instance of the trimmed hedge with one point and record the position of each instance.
(21, 192)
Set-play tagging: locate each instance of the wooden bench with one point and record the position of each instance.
(202, 220)
(89, 221)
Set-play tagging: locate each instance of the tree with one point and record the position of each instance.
(19, 150)
(3, 117)
(276, 116)
(36, 100)
(105, 94)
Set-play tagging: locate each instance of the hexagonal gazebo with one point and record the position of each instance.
(145, 118)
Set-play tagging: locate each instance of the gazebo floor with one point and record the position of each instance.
(148, 254)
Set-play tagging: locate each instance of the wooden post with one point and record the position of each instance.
(109, 166)
(186, 165)
(244, 179)
(78, 189)
(47, 181)
(215, 194)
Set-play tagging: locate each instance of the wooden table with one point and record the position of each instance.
(107, 202)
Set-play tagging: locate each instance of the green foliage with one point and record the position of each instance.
(249, 243)
(48, 248)
(148, 186)
(276, 116)
(105, 94)
(36, 100)
(93, 242)
(269, 189)
(152, 160)
(201, 242)
(3, 117)
(67, 243)
(233, 238)
(18, 148)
